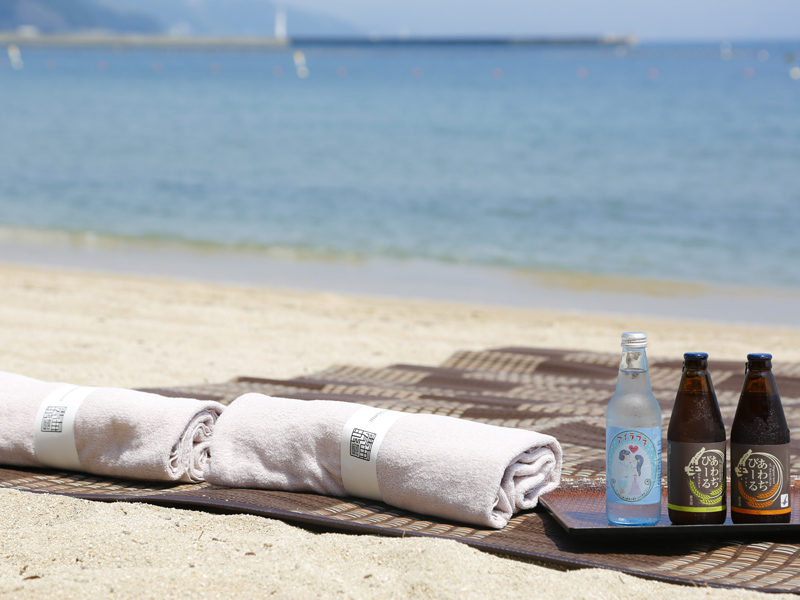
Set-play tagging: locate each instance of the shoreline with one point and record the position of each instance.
(607, 295)
(127, 330)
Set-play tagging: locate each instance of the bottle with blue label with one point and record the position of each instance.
(633, 441)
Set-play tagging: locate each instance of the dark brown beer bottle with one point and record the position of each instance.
(760, 449)
(696, 482)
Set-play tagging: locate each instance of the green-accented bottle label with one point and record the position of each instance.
(633, 465)
(696, 479)
(760, 479)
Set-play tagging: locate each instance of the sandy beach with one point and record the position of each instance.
(126, 331)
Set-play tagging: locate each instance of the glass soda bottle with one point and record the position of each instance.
(633, 441)
(696, 457)
(760, 449)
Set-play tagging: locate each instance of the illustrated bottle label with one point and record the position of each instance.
(760, 479)
(696, 477)
(633, 465)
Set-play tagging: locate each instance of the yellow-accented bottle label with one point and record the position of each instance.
(760, 479)
(696, 477)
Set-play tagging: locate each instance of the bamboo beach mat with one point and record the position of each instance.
(557, 392)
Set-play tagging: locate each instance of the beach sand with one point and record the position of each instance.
(115, 330)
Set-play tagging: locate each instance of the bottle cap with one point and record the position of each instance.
(634, 339)
(695, 355)
(759, 356)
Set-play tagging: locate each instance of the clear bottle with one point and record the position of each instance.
(696, 483)
(633, 441)
(760, 449)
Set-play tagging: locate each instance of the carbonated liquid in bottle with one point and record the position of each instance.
(760, 449)
(633, 441)
(696, 457)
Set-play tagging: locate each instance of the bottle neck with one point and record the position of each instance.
(633, 359)
(695, 364)
(760, 380)
(633, 371)
(760, 403)
(695, 378)
(759, 364)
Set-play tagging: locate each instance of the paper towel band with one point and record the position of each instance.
(54, 430)
(362, 436)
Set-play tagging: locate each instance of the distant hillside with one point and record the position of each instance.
(234, 17)
(56, 16)
(187, 17)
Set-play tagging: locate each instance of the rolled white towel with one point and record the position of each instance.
(430, 464)
(117, 432)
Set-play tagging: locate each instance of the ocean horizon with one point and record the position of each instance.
(576, 167)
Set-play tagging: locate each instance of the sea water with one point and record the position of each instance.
(526, 158)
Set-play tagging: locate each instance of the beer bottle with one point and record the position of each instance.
(696, 482)
(633, 441)
(760, 449)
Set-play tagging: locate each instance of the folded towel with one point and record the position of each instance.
(430, 464)
(119, 433)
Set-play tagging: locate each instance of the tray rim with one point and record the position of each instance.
(670, 530)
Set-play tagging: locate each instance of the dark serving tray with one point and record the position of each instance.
(579, 506)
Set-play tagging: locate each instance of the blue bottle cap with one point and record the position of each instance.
(695, 355)
(759, 356)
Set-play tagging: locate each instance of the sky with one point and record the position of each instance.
(647, 19)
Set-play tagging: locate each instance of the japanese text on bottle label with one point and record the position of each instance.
(633, 465)
(760, 479)
(696, 476)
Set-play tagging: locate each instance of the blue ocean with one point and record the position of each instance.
(673, 162)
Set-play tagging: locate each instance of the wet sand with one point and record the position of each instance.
(412, 279)
(134, 331)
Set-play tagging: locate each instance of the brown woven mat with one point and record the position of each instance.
(557, 392)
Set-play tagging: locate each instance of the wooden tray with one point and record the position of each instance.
(579, 506)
